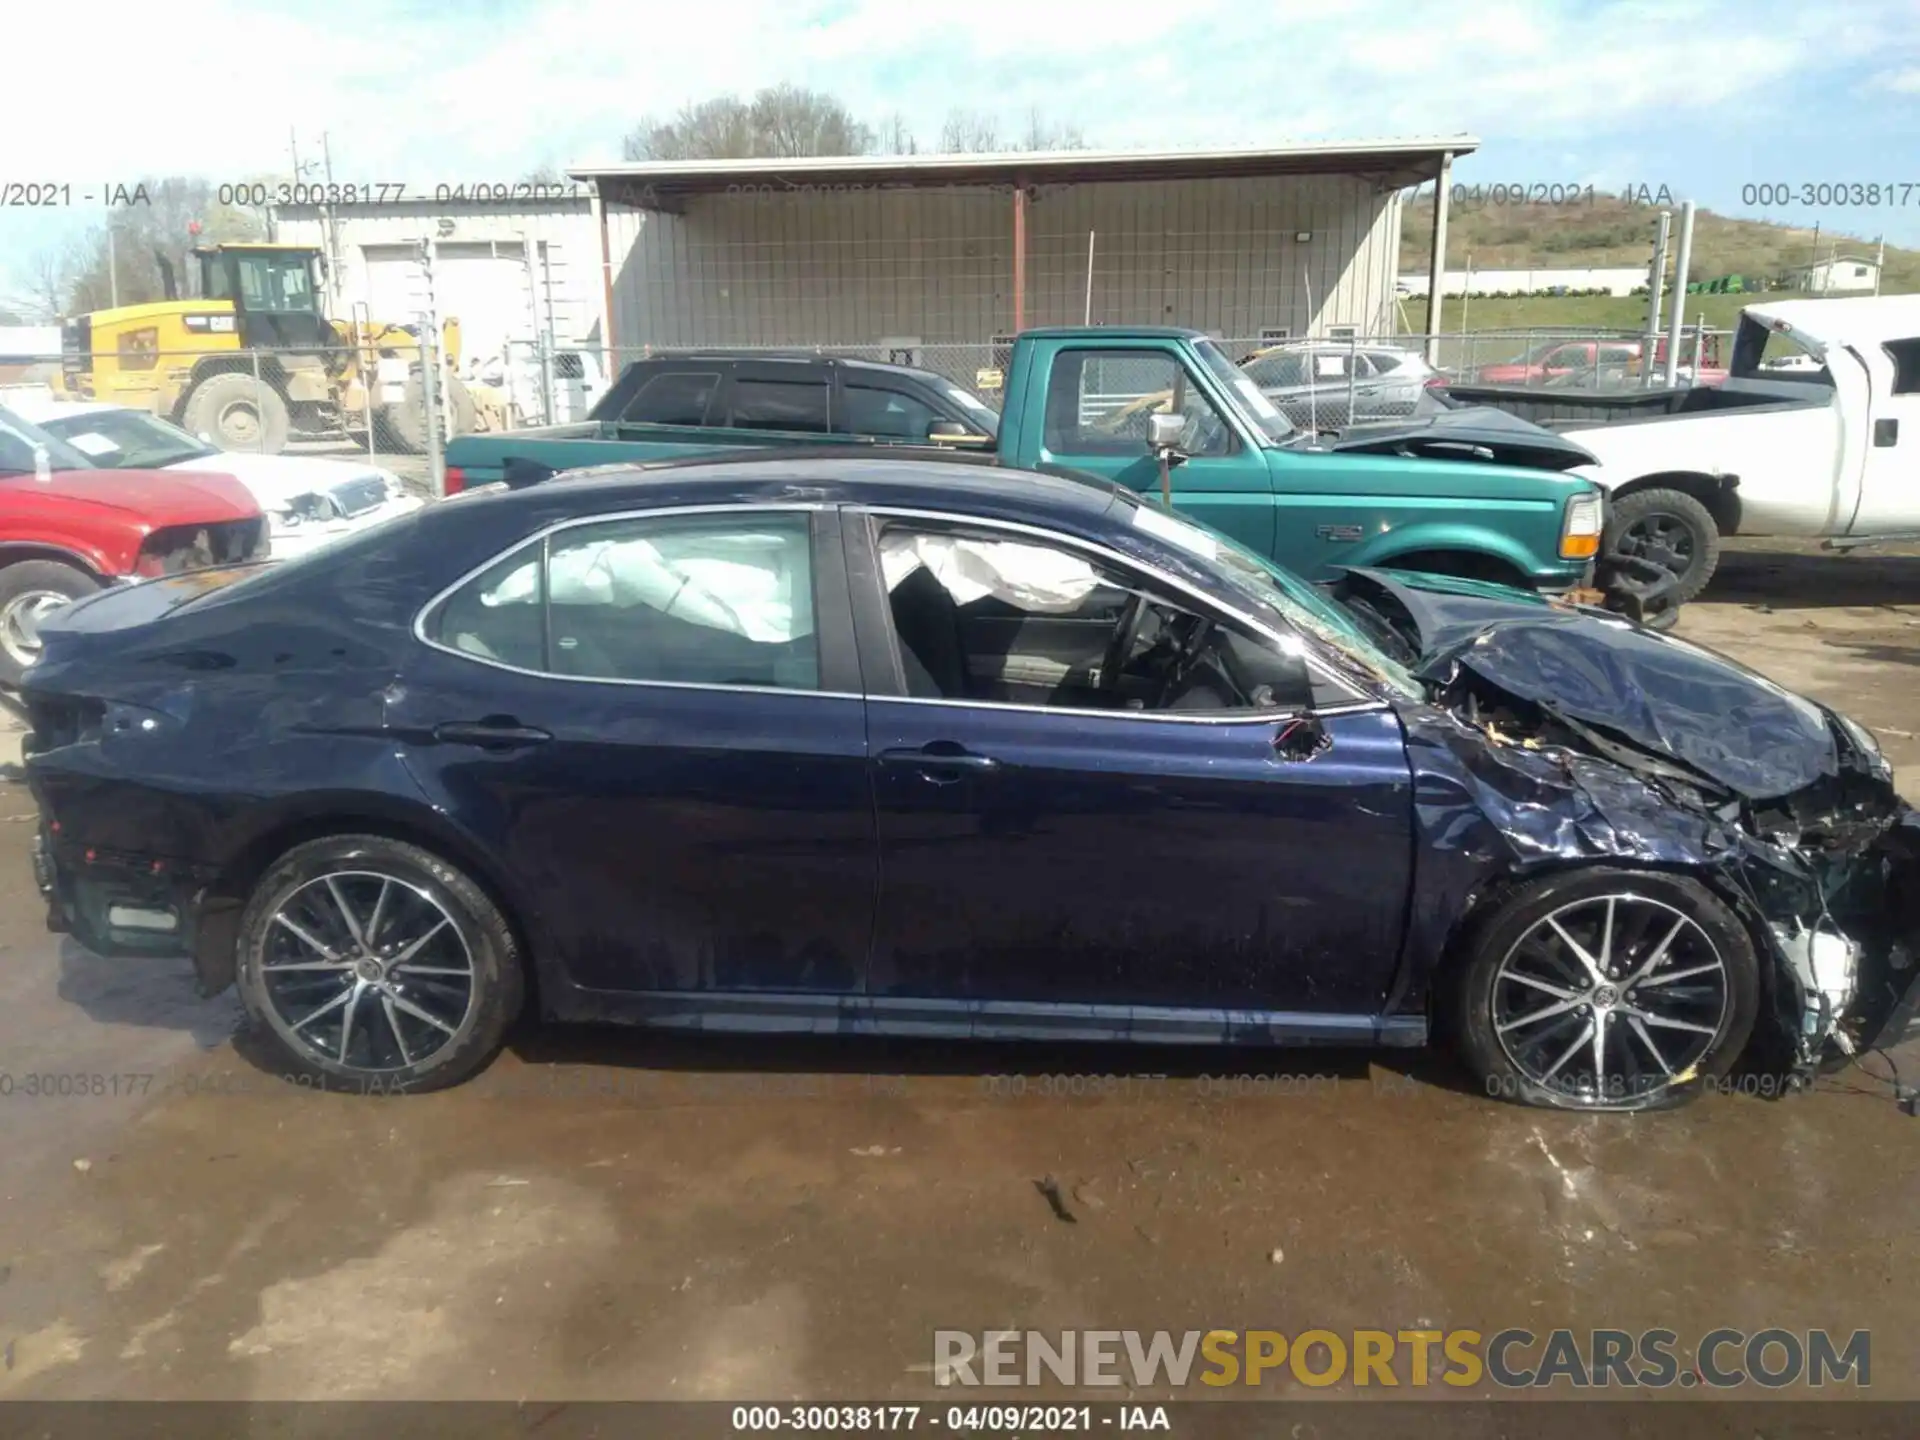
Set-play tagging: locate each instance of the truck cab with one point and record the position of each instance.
(1083, 399)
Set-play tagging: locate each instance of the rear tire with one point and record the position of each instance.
(30, 590)
(1672, 529)
(372, 965)
(236, 412)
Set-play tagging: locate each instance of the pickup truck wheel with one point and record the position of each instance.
(240, 413)
(31, 590)
(1604, 989)
(1670, 528)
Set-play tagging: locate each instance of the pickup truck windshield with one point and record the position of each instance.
(1265, 415)
(1268, 587)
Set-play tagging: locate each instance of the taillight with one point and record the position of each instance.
(456, 480)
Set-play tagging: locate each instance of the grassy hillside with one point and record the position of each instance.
(1610, 233)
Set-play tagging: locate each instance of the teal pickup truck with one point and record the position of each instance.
(1461, 492)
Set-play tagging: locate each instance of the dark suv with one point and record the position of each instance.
(798, 394)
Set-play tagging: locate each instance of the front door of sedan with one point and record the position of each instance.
(1045, 844)
(651, 724)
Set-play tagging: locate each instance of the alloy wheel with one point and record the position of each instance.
(1610, 1000)
(366, 971)
(20, 623)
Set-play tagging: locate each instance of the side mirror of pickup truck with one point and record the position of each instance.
(1163, 440)
(947, 430)
(1164, 431)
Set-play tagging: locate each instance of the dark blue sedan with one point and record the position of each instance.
(852, 745)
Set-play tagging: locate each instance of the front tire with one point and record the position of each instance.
(1670, 528)
(31, 590)
(237, 412)
(370, 964)
(1605, 989)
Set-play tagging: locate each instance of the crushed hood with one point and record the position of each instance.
(1467, 432)
(1714, 716)
(160, 498)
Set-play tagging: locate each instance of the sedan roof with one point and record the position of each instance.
(852, 476)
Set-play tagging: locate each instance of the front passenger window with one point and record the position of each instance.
(980, 616)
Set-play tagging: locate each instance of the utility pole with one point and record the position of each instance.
(113, 267)
(1656, 282)
(1879, 264)
(329, 222)
(1682, 263)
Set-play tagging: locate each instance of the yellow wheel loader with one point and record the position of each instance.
(189, 360)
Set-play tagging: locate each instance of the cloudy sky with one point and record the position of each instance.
(1703, 96)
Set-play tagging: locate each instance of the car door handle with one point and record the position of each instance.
(940, 756)
(501, 734)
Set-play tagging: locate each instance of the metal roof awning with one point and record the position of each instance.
(1395, 162)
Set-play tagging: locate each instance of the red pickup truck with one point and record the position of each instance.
(1590, 362)
(68, 529)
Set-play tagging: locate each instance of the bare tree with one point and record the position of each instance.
(1042, 134)
(178, 213)
(896, 138)
(778, 122)
(791, 120)
(545, 173)
(968, 132)
(45, 293)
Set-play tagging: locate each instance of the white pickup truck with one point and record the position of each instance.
(1815, 432)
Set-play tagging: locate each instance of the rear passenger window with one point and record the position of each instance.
(676, 398)
(697, 600)
(793, 405)
(1905, 355)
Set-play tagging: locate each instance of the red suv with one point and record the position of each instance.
(68, 529)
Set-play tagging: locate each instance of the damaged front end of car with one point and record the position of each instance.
(1556, 735)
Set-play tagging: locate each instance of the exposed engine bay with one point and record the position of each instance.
(1560, 733)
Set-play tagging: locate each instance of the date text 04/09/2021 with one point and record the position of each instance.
(59, 194)
(1001, 1419)
(1556, 192)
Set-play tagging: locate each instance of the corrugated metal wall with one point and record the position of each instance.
(561, 229)
(811, 266)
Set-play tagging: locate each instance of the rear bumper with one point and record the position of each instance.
(117, 904)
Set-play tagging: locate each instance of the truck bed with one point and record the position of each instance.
(1566, 409)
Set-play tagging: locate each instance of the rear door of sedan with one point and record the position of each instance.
(651, 722)
(1056, 862)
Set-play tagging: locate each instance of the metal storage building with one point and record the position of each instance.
(932, 257)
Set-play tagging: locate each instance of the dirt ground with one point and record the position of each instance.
(615, 1215)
